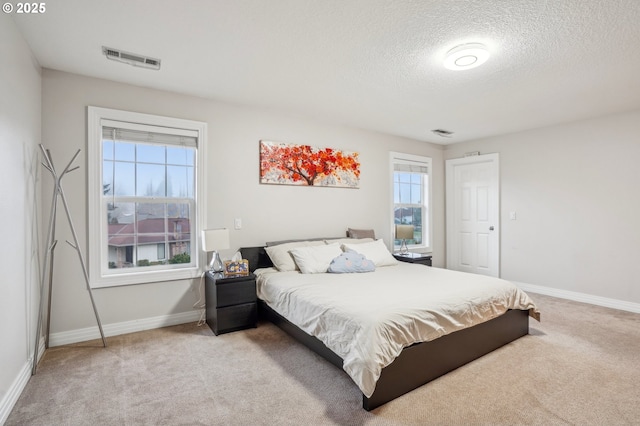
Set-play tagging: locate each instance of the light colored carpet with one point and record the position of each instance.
(580, 366)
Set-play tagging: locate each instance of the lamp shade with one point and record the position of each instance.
(215, 239)
(404, 232)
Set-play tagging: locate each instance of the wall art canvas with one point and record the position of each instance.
(291, 164)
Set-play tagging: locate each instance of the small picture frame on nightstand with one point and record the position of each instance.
(236, 267)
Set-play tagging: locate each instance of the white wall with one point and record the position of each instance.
(19, 168)
(268, 212)
(576, 191)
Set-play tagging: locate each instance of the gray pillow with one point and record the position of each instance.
(361, 233)
(351, 262)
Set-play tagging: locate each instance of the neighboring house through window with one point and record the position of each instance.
(145, 197)
(411, 194)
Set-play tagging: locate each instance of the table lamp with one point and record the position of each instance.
(212, 241)
(404, 233)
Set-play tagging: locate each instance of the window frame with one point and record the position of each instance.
(427, 218)
(97, 118)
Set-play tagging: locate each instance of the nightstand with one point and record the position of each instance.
(422, 259)
(230, 302)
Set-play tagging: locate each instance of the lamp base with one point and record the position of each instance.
(403, 247)
(216, 263)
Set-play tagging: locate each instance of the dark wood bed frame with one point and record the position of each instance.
(417, 364)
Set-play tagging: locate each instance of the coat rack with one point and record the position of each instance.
(58, 192)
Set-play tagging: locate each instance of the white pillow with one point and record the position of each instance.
(315, 259)
(376, 251)
(282, 259)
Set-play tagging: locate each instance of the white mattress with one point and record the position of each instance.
(368, 318)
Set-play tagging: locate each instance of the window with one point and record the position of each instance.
(161, 250)
(411, 194)
(145, 197)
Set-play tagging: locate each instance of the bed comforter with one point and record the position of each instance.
(368, 318)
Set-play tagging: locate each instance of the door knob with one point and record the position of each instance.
(491, 228)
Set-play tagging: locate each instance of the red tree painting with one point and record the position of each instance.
(305, 165)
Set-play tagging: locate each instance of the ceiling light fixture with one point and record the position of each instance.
(466, 56)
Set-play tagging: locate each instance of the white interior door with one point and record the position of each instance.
(473, 215)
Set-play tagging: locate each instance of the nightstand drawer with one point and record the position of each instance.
(234, 293)
(235, 317)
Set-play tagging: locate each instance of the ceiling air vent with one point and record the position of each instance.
(442, 133)
(131, 58)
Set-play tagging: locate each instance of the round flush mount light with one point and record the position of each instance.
(466, 56)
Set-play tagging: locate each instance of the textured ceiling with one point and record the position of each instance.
(372, 64)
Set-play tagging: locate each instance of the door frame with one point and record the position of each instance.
(450, 165)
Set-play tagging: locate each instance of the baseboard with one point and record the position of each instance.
(581, 297)
(90, 333)
(15, 390)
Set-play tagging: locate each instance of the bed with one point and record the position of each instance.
(416, 329)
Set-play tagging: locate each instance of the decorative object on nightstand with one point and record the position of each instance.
(420, 258)
(236, 267)
(212, 241)
(231, 302)
(404, 233)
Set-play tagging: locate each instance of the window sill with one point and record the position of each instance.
(146, 277)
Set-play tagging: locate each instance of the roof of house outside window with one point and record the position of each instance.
(150, 231)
